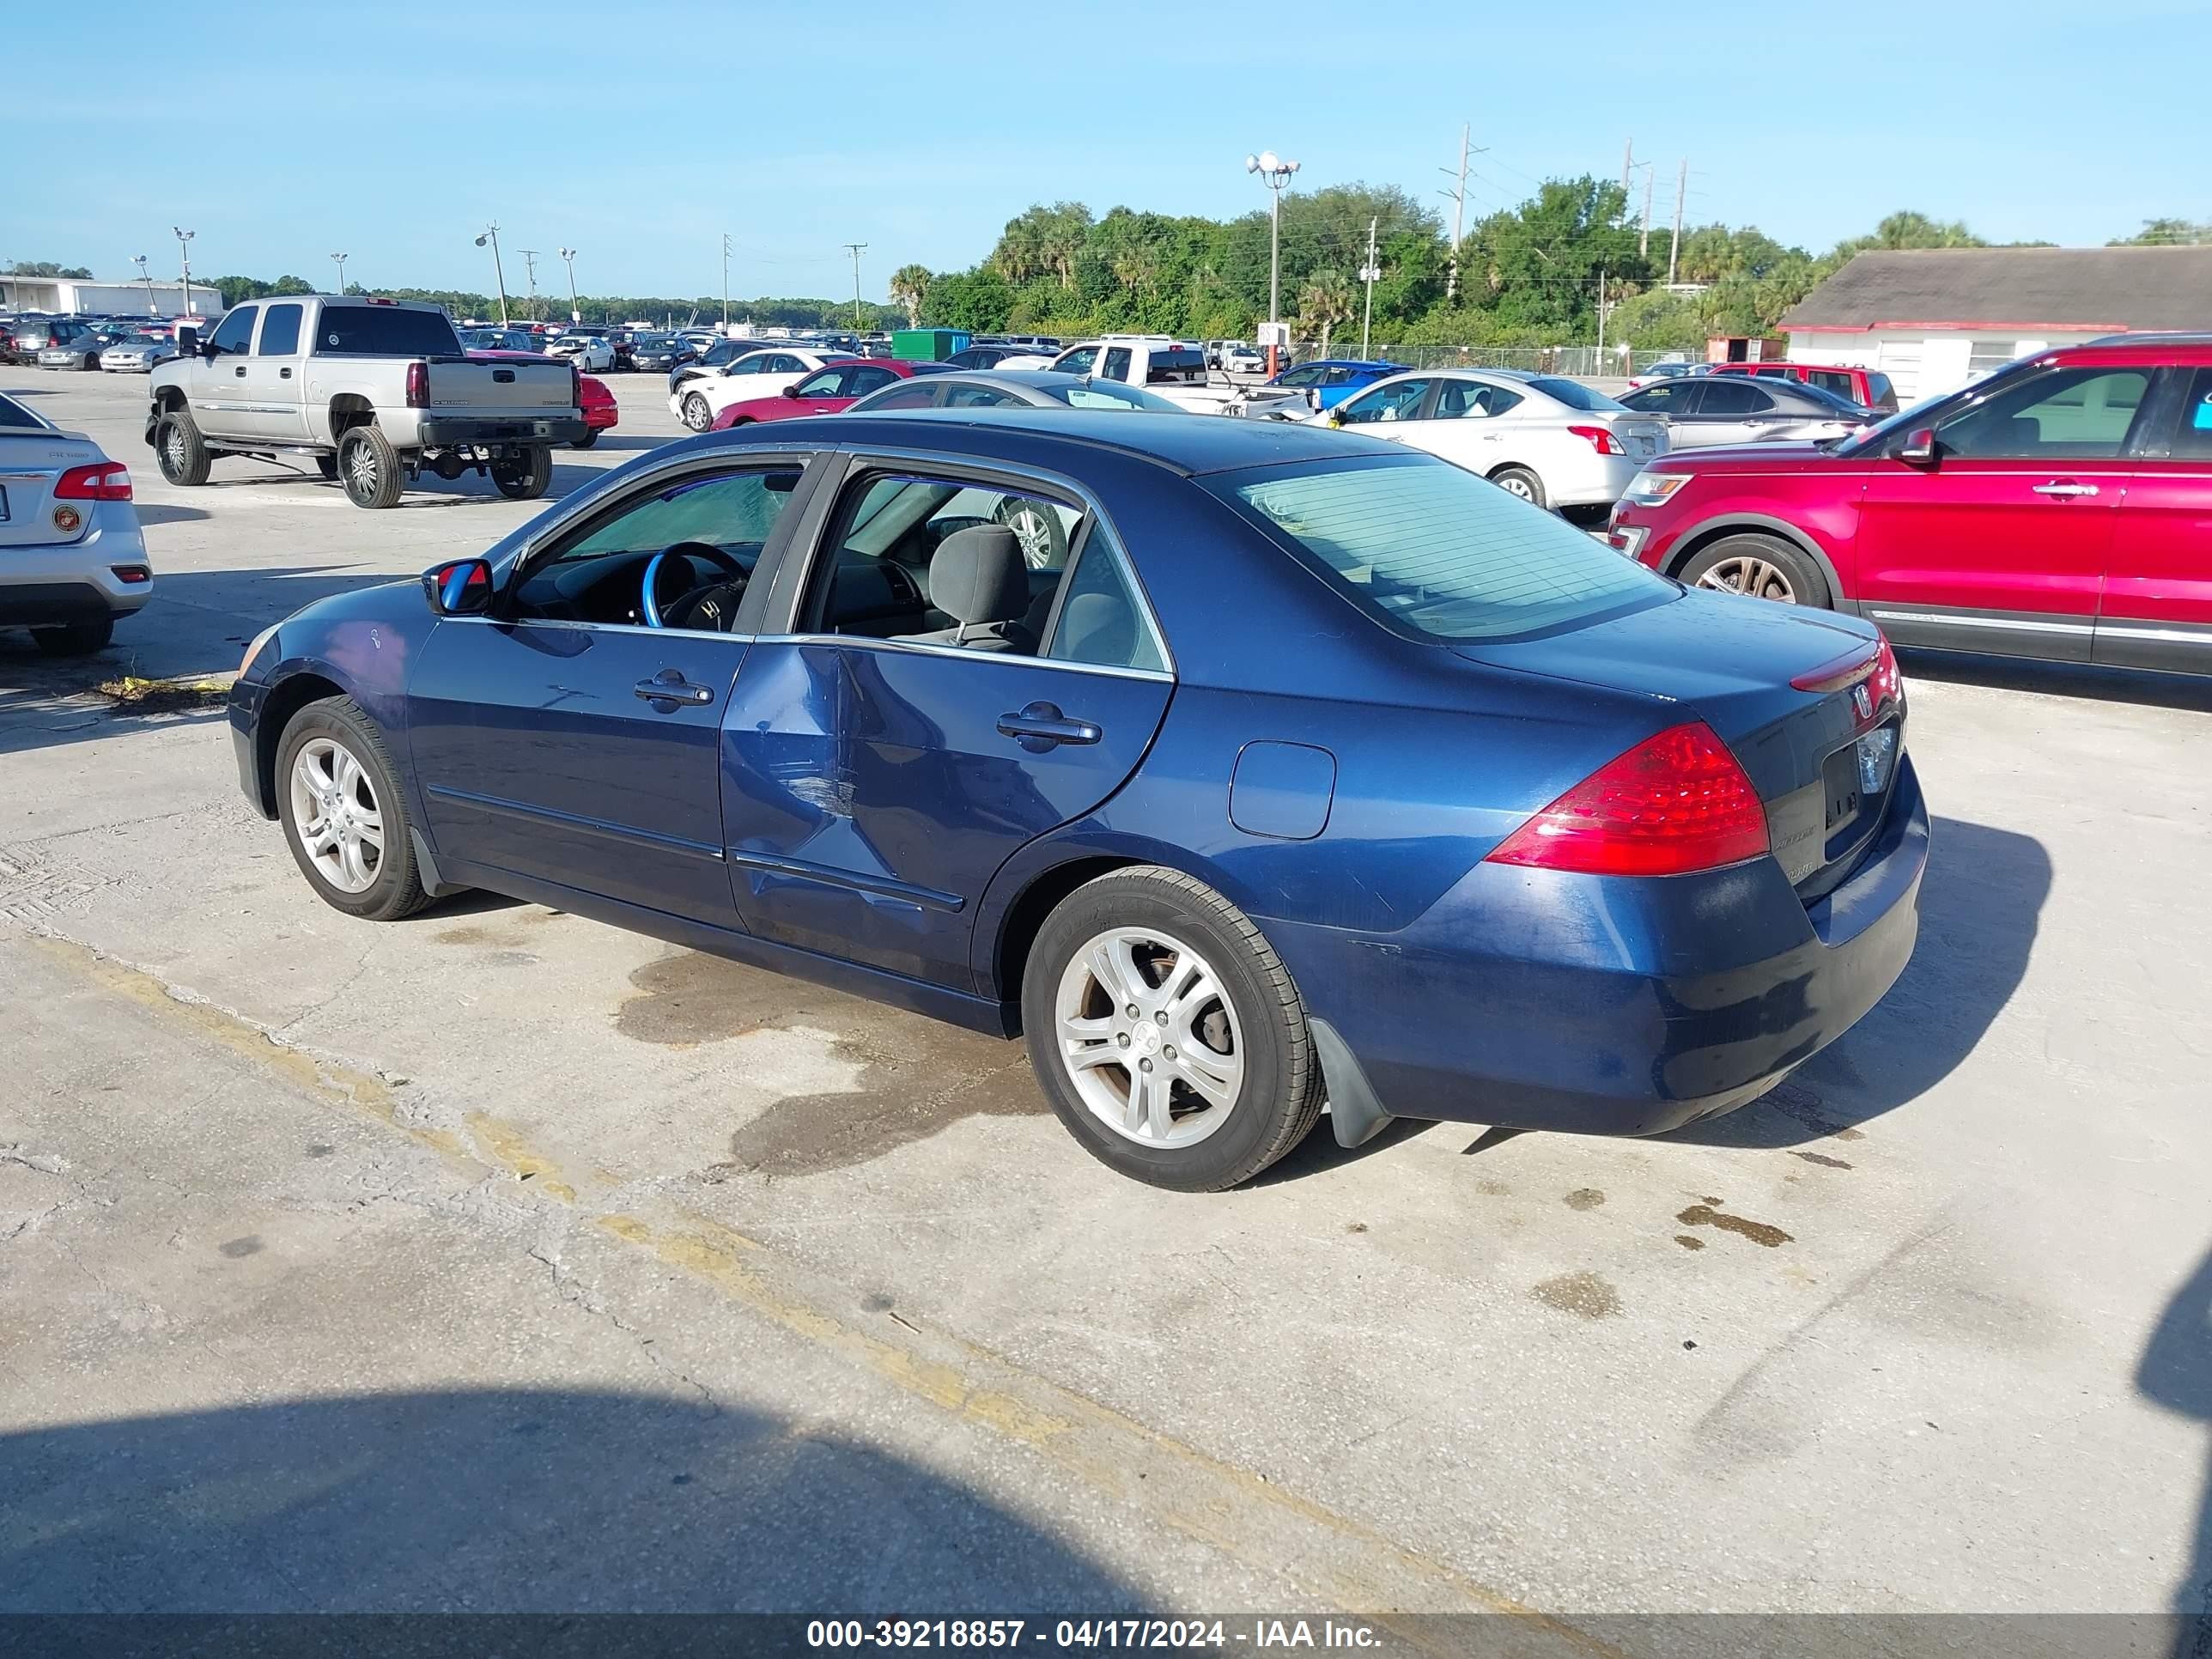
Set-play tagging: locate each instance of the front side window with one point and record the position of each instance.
(830, 383)
(1667, 397)
(1399, 401)
(280, 333)
(1734, 395)
(2068, 414)
(1473, 400)
(1432, 550)
(1080, 360)
(1302, 378)
(235, 333)
(708, 532)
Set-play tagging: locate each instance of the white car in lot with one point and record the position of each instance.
(589, 352)
(761, 374)
(71, 556)
(1547, 439)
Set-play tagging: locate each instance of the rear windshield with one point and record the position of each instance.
(1434, 551)
(384, 332)
(1177, 367)
(1573, 393)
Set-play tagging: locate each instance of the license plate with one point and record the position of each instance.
(1839, 775)
(1644, 445)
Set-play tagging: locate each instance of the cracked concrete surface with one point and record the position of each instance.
(499, 1260)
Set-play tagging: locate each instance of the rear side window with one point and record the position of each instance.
(1434, 551)
(383, 331)
(1100, 620)
(280, 333)
(1733, 396)
(2192, 438)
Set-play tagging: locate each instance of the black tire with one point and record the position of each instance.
(532, 480)
(698, 413)
(74, 639)
(397, 889)
(328, 466)
(1520, 480)
(369, 467)
(1281, 1094)
(591, 436)
(92, 361)
(1776, 570)
(178, 449)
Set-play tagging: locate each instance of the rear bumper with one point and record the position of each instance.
(1531, 998)
(1591, 480)
(444, 431)
(77, 581)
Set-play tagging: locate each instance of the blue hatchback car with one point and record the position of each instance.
(1241, 767)
(1328, 381)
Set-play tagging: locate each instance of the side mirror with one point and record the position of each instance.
(188, 339)
(458, 587)
(1918, 449)
(789, 392)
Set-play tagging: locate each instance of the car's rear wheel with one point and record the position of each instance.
(79, 639)
(698, 415)
(1765, 567)
(526, 481)
(1166, 1033)
(179, 449)
(338, 798)
(369, 467)
(1520, 480)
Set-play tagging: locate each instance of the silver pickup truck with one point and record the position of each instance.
(375, 390)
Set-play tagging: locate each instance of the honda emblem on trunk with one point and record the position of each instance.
(1862, 701)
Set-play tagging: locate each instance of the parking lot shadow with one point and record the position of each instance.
(2060, 679)
(486, 1502)
(2176, 1372)
(1980, 907)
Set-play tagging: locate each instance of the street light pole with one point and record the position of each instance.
(339, 259)
(1274, 173)
(147, 277)
(726, 283)
(491, 235)
(185, 258)
(575, 311)
(856, 250)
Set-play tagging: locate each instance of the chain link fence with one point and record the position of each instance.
(1586, 361)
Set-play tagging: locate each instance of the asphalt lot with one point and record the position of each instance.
(500, 1260)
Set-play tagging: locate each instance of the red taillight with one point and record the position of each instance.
(102, 480)
(1676, 803)
(1599, 439)
(418, 385)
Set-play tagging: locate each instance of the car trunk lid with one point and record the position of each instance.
(1730, 661)
(31, 463)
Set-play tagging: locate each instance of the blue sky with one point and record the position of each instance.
(639, 134)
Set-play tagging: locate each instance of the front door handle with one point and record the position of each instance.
(1041, 725)
(240, 371)
(669, 686)
(283, 374)
(2065, 487)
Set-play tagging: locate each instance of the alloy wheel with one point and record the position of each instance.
(1750, 574)
(335, 815)
(1032, 534)
(1149, 1038)
(361, 470)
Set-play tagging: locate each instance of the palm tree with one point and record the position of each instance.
(1325, 301)
(909, 288)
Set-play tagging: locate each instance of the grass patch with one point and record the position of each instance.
(133, 695)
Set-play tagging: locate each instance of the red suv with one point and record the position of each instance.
(1869, 388)
(2061, 508)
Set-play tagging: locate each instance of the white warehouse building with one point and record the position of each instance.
(75, 296)
(1934, 318)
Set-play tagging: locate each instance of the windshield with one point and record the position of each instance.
(1432, 550)
(1573, 393)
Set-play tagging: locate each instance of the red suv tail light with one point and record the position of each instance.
(101, 481)
(1676, 803)
(1599, 439)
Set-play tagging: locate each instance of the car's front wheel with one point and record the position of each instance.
(179, 449)
(1765, 567)
(1166, 1033)
(338, 798)
(698, 414)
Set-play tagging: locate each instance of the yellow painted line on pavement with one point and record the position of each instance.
(1202, 1497)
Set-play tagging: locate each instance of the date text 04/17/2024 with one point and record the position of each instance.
(1091, 1635)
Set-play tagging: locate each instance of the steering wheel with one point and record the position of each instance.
(664, 608)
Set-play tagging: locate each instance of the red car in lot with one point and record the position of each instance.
(1867, 387)
(2061, 509)
(828, 390)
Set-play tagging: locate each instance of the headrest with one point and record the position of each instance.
(977, 576)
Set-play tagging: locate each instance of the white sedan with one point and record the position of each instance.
(587, 352)
(1544, 438)
(761, 374)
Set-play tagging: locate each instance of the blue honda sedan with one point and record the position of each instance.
(1243, 767)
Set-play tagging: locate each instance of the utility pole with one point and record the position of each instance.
(1675, 247)
(1643, 249)
(1458, 195)
(1368, 274)
(530, 266)
(856, 249)
(499, 272)
(726, 281)
(1600, 318)
(185, 258)
(575, 311)
(1627, 166)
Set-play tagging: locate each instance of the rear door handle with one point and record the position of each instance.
(1041, 725)
(669, 686)
(2065, 487)
(283, 374)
